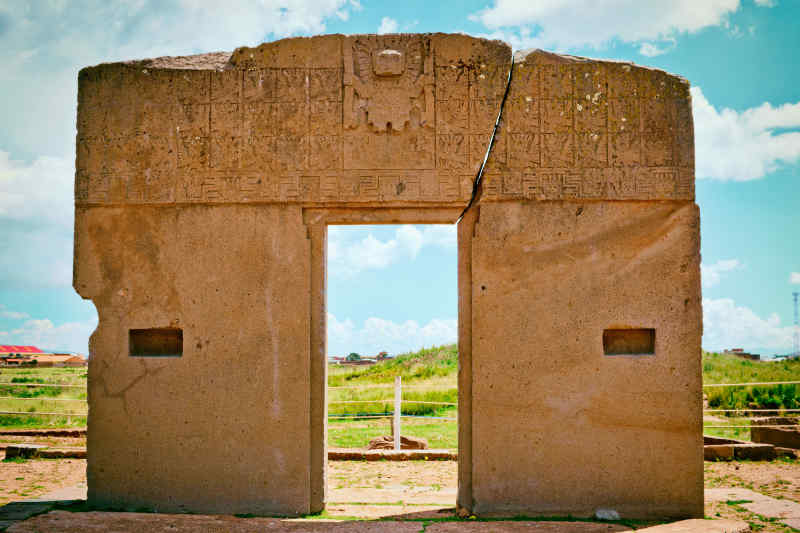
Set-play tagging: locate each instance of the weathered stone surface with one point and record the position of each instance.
(701, 526)
(204, 186)
(386, 442)
(66, 522)
(316, 122)
(519, 526)
(544, 291)
(788, 437)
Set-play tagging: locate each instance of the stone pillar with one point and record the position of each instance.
(224, 426)
(558, 426)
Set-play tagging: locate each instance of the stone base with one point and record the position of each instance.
(25, 451)
(730, 452)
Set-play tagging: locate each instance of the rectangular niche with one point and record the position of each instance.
(639, 341)
(156, 342)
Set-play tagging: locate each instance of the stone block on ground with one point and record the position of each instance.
(63, 453)
(754, 452)
(775, 421)
(718, 452)
(25, 451)
(749, 450)
(783, 437)
(787, 452)
(708, 439)
(386, 442)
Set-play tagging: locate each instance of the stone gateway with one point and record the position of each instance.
(203, 190)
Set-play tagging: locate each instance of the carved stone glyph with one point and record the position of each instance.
(388, 83)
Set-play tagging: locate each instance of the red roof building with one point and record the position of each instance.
(9, 348)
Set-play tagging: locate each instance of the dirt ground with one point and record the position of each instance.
(344, 475)
(422, 489)
(53, 442)
(30, 479)
(777, 479)
(774, 478)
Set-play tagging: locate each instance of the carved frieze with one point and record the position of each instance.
(394, 123)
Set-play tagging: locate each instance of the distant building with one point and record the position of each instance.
(14, 355)
(739, 352)
(363, 360)
(59, 360)
(16, 360)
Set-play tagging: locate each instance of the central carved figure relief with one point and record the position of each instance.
(388, 90)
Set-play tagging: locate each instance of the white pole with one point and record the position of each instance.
(398, 406)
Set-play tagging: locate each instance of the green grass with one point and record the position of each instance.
(425, 364)
(429, 375)
(58, 375)
(725, 368)
(14, 396)
(729, 433)
(358, 433)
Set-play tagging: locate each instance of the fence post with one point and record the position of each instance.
(398, 407)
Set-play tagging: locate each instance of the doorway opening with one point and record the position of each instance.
(392, 367)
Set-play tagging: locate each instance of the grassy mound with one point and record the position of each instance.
(427, 363)
(726, 368)
(429, 375)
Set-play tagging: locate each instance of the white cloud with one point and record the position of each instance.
(36, 215)
(347, 256)
(726, 325)
(388, 25)
(378, 335)
(740, 146)
(652, 50)
(48, 42)
(794, 277)
(43, 333)
(562, 24)
(12, 315)
(712, 274)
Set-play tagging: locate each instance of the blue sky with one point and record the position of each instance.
(394, 288)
